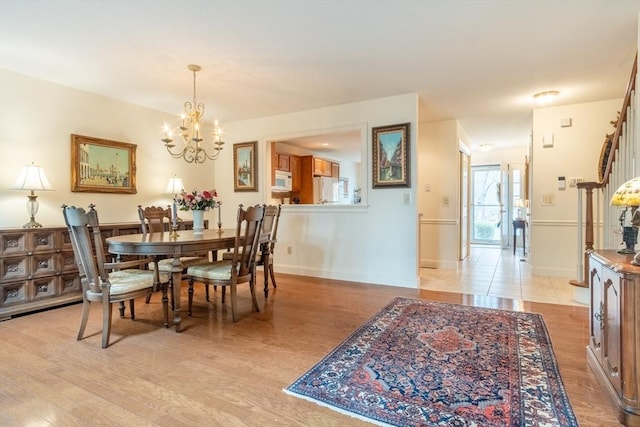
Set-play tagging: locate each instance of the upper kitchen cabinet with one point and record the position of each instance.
(294, 164)
(284, 162)
(323, 167)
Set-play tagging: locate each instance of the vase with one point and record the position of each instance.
(198, 221)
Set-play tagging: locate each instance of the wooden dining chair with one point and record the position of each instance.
(241, 267)
(154, 219)
(268, 239)
(107, 282)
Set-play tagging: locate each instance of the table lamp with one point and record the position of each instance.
(174, 187)
(32, 178)
(628, 195)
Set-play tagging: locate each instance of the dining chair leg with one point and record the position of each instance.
(224, 293)
(206, 291)
(272, 274)
(121, 308)
(233, 302)
(265, 268)
(106, 324)
(86, 305)
(252, 287)
(190, 296)
(133, 309)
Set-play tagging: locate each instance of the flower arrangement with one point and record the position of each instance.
(195, 200)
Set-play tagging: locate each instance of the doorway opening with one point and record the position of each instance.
(486, 208)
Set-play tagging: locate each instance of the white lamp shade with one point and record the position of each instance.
(32, 177)
(174, 186)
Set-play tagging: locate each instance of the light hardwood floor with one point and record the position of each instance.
(220, 373)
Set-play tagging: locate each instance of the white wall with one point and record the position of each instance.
(575, 153)
(37, 119)
(375, 242)
(439, 170)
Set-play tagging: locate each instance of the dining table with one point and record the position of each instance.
(176, 245)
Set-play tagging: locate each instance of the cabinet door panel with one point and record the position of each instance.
(596, 320)
(611, 350)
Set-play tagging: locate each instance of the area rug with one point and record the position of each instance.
(423, 363)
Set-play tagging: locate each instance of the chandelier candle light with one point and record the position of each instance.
(193, 150)
(32, 178)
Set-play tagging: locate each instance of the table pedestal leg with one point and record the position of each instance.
(177, 285)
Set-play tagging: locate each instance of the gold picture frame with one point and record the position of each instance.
(102, 166)
(391, 156)
(245, 172)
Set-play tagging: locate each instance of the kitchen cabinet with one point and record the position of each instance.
(321, 167)
(613, 352)
(284, 162)
(294, 164)
(335, 170)
(310, 167)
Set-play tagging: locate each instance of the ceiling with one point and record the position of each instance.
(476, 61)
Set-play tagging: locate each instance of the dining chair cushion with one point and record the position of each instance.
(186, 261)
(130, 280)
(218, 270)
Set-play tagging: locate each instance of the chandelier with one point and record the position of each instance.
(193, 150)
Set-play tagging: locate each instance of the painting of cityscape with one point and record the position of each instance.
(244, 167)
(102, 166)
(391, 156)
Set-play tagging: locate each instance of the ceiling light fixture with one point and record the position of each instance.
(485, 147)
(546, 98)
(194, 150)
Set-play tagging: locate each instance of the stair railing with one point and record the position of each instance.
(618, 165)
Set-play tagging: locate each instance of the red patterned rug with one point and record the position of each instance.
(423, 363)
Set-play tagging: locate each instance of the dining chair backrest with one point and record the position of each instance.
(248, 229)
(89, 252)
(270, 223)
(152, 218)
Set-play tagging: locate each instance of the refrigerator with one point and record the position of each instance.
(325, 190)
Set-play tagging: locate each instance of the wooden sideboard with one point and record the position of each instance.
(613, 353)
(38, 268)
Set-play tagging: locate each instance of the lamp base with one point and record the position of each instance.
(32, 224)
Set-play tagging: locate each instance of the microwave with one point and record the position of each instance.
(282, 181)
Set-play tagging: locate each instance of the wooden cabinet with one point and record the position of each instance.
(321, 167)
(284, 162)
(613, 353)
(335, 170)
(294, 164)
(38, 268)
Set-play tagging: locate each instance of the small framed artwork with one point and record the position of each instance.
(245, 174)
(102, 166)
(391, 156)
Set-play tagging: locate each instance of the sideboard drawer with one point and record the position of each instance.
(14, 268)
(14, 243)
(13, 293)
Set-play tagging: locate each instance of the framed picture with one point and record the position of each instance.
(391, 156)
(102, 166)
(245, 174)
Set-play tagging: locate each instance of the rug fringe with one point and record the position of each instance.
(336, 409)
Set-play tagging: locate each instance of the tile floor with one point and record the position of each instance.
(495, 272)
